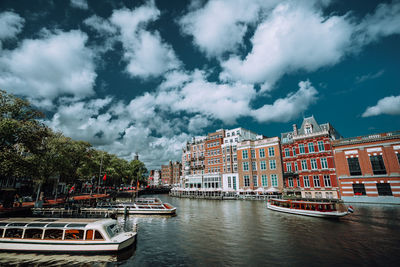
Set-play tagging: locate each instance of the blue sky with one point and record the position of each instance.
(146, 76)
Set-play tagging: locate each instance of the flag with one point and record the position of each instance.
(72, 189)
(350, 209)
(105, 177)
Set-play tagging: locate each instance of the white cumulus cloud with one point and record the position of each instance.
(288, 108)
(43, 69)
(81, 4)
(10, 25)
(388, 105)
(293, 37)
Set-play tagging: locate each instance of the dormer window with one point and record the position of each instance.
(308, 128)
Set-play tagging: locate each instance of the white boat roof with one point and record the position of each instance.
(79, 222)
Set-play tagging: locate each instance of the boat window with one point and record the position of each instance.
(57, 225)
(36, 225)
(1, 232)
(17, 224)
(13, 233)
(33, 233)
(46, 220)
(98, 236)
(53, 234)
(73, 234)
(89, 235)
(75, 225)
(3, 224)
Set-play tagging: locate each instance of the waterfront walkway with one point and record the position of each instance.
(53, 202)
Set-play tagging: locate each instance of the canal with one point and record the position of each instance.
(246, 233)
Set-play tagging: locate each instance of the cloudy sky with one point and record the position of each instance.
(145, 76)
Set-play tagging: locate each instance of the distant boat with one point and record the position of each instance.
(64, 235)
(146, 206)
(316, 209)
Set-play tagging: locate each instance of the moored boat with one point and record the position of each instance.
(64, 235)
(310, 208)
(146, 206)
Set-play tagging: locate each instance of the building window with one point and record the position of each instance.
(287, 152)
(318, 195)
(327, 181)
(235, 167)
(246, 180)
(298, 181)
(314, 164)
(354, 166)
(304, 164)
(234, 158)
(255, 182)
(234, 148)
(245, 166)
(234, 182)
(329, 195)
(271, 152)
(311, 147)
(274, 180)
(321, 146)
(359, 190)
(378, 166)
(324, 163)
(262, 153)
(245, 154)
(308, 195)
(253, 166)
(290, 180)
(229, 181)
(294, 151)
(384, 189)
(301, 149)
(263, 165)
(253, 154)
(272, 164)
(288, 167)
(398, 157)
(264, 180)
(316, 181)
(306, 181)
(296, 168)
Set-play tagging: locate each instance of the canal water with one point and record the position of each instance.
(246, 233)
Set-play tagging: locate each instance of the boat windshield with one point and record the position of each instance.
(112, 230)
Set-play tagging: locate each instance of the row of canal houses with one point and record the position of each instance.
(312, 161)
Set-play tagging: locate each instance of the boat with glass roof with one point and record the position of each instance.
(64, 235)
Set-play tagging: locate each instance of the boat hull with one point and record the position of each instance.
(327, 214)
(65, 246)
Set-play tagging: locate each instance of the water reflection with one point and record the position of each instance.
(243, 233)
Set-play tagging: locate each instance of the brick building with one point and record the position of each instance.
(368, 168)
(193, 165)
(308, 163)
(213, 160)
(230, 175)
(260, 164)
(171, 173)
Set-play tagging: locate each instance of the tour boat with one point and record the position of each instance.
(316, 209)
(145, 206)
(64, 235)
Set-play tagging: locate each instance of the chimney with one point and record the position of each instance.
(294, 129)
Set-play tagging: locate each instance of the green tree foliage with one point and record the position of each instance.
(30, 149)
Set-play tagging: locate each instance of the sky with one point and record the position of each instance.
(147, 76)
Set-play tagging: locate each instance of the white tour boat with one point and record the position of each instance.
(64, 235)
(146, 206)
(309, 208)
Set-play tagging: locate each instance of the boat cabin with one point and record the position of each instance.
(304, 205)
(58, 229)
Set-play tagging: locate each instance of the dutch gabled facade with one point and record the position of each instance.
(308, 162)
(368, 168)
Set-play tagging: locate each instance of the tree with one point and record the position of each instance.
(21, 135)
(137, 171)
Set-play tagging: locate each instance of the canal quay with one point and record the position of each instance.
(245, 233)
